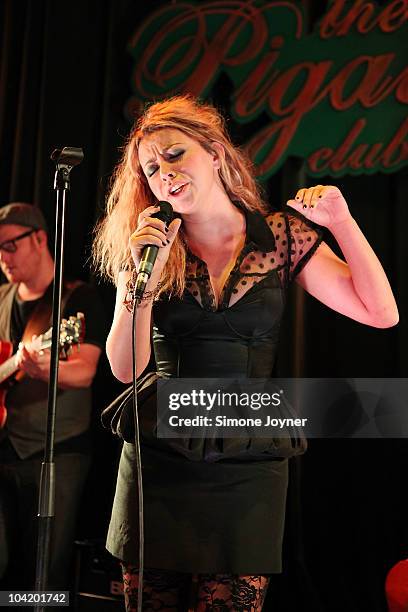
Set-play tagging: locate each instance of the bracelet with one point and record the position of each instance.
(129, 301)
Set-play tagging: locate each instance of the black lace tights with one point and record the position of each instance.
(175, 591)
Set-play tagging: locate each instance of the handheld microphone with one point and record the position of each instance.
(150, 251)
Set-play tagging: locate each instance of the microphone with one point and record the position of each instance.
(150, 251)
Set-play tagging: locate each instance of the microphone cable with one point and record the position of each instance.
(165, 214)
(138, 465)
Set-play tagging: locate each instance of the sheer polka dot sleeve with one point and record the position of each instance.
(304, 238)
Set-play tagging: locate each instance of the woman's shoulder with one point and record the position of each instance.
(275, 217)
(290, 220)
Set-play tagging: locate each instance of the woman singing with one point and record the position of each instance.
(212, 308)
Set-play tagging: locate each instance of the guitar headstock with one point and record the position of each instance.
(72, 331)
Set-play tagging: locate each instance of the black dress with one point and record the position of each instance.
(206, 514)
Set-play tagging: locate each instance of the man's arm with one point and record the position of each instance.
(75, 372)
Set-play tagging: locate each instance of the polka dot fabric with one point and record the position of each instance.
(293, 242)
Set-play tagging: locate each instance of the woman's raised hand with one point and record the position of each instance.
(153, 231)
(322, 204)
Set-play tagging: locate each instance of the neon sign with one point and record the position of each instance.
(336, 96)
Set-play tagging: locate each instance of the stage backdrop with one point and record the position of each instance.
(317, 93)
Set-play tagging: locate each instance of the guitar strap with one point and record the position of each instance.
(41, 317)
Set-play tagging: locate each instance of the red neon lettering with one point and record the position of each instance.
(395, 10)
(251, 96)
(397, 150)
(339, 161)
(365, 91)
(321, 155)
(284, 131)
(389, 19)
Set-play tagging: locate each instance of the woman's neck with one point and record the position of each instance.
(221, 227)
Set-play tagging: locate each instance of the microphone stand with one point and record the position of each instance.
(65, 160)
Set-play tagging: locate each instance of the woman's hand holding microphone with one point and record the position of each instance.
(153, 231)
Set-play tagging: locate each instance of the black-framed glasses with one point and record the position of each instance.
(10, 245)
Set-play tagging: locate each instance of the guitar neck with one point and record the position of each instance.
(10, 366)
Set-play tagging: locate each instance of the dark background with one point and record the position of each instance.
(64, 80)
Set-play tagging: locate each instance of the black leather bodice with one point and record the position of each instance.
(193, 338)
(239, 341)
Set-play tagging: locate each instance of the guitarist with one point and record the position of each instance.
(25, 309)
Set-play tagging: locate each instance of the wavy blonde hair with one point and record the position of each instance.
(130, 192)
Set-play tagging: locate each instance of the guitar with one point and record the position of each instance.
(72, 331)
